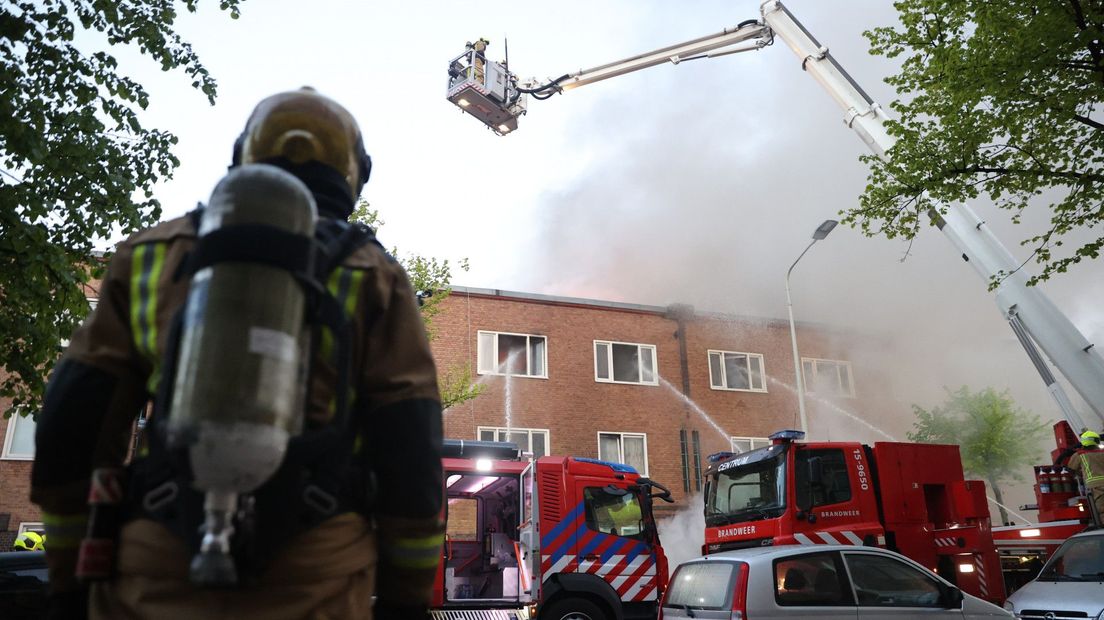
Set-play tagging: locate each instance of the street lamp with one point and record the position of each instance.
(818, 234)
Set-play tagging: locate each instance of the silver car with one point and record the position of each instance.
(822, 581)
(1070, 585)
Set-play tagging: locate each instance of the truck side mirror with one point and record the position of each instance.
(814, 474)
(664, 493)
(816, 470)
(952, 598)
(615, 491)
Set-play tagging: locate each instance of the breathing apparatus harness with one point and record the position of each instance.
(321, 475)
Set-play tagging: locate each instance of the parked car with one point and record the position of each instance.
(23, 583)
(822, 581)
(1070, 585)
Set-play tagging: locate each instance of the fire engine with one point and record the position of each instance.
(546, 537)
(911, 498)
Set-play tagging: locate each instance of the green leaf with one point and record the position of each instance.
(82, 174)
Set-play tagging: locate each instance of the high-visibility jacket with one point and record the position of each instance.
(110, 372)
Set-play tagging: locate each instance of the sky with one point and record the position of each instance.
(698, 183)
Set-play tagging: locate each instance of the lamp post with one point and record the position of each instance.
(799, 384)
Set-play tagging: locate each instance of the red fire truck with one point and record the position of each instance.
(911, 498)
(547, 537)
(1063, 512)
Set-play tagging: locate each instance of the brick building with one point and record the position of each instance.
(657, 387)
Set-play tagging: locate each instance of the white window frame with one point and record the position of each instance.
(724, 374)
(809, 382)
(32, 526)
(92, 303)
(621, 447)
(494, 353)
(756, 442)
(609, 362)
(9, 435)
(496, 429)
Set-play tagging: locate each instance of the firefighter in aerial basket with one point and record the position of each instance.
(290, 466)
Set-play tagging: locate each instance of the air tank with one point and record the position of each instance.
(238, 393)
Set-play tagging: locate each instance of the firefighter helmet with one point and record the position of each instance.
(303, 126)
(1090, 439)
(29, 541)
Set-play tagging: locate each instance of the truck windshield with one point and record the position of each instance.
(748, 492)
(614, 511)
(1078, 559)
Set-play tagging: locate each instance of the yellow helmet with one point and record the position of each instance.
(302, 126)
(1090, 439)
(29, 541)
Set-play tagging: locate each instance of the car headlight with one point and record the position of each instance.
(1008, 606)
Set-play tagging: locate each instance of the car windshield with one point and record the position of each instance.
(1078, 559)
(701, 585)
(748, 492)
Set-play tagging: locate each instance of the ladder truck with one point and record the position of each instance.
(552, 537)
(493, 94)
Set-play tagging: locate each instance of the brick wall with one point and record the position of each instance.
(15, 488)
(575, 408)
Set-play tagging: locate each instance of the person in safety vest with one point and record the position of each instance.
(28, 541)
(353, 516)
(1088, 463)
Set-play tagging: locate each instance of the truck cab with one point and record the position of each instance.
(790, 493)
(549, 538)
(907, 497)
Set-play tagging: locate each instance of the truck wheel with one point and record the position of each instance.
(574, 609)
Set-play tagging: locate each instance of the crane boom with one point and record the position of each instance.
(478, 87)
(1027, 308)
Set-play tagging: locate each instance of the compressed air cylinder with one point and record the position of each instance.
(238, 394)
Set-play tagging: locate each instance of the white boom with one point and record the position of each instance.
(1033, 317)
(1030, 312)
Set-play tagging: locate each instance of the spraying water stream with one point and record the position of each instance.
(697, 409)
(832, 406)
(508, 398)
(835, 408)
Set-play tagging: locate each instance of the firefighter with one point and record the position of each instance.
(28, 541)
(1088, 463)
(385, 536)
(479, 59)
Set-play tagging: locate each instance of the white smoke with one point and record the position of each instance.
(682, 535)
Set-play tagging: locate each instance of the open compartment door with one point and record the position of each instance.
(527, 546)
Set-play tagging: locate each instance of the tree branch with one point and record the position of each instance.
(1073, 176)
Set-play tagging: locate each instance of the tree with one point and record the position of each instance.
(430, 277)
(997, 439)
(999, 101)
(76, 163)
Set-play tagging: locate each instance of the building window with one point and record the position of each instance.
(19, 443)
(520, 355)
(730, 370)
(690, 460)
(623, 362)
(92, 303)
(533, 440)
(828, 377)
(32, 526)
(628, 448)
(743, 444)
